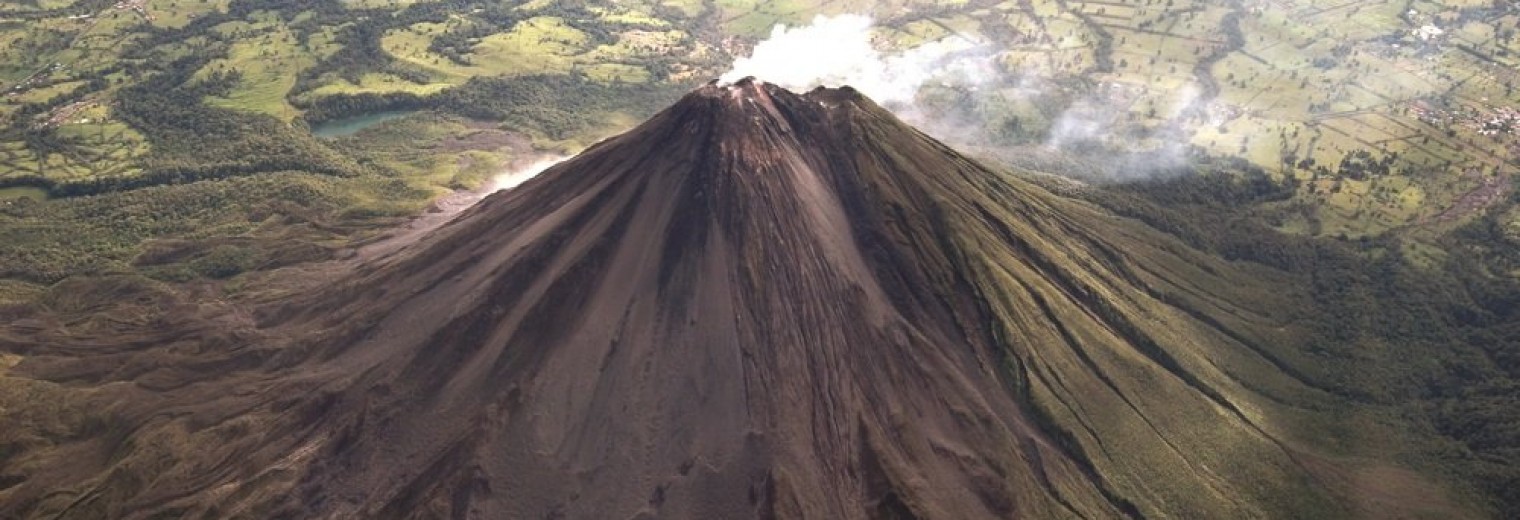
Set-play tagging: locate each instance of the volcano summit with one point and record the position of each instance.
(756, 304)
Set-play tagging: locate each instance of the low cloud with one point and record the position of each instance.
(839, 50)
(956, 89)
(516, 176)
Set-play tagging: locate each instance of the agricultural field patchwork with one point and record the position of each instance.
(1387, 115)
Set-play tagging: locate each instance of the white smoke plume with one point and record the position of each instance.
(840, 50)
(1092, 128)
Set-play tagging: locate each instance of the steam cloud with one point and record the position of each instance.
(512, 178)
(838, 50)
(841, 50)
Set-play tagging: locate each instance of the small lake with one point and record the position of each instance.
(23, 192)
(346, 126)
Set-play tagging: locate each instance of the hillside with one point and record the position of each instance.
(755, 304)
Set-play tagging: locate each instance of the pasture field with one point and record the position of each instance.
(1389, 116)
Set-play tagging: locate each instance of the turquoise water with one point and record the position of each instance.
(347, 126)
(37, 194)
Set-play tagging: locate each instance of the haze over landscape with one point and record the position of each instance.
(759, 258)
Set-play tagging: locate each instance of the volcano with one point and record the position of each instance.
(757, 304)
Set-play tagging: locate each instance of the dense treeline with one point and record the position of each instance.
(360, 38)
(159, 91)
(192, 140)
(340, 106)
(1219, 183)
(556, 105)
(1217, 187)
(1491, 242)
(1442, 340)
(1484, 414)
(360, 54)
(458, 42)
(322, 12)
(559, 106)
(47, 242)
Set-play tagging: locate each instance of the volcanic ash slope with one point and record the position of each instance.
(756, 304)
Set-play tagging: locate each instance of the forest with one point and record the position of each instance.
(160, 87)
(1453, 325)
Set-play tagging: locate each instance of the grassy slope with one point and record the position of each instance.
(1156, 359)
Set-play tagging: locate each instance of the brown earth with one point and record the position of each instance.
(757, 304)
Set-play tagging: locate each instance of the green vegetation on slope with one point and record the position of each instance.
(1433, 343)
(172, 135)
(138, 94)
